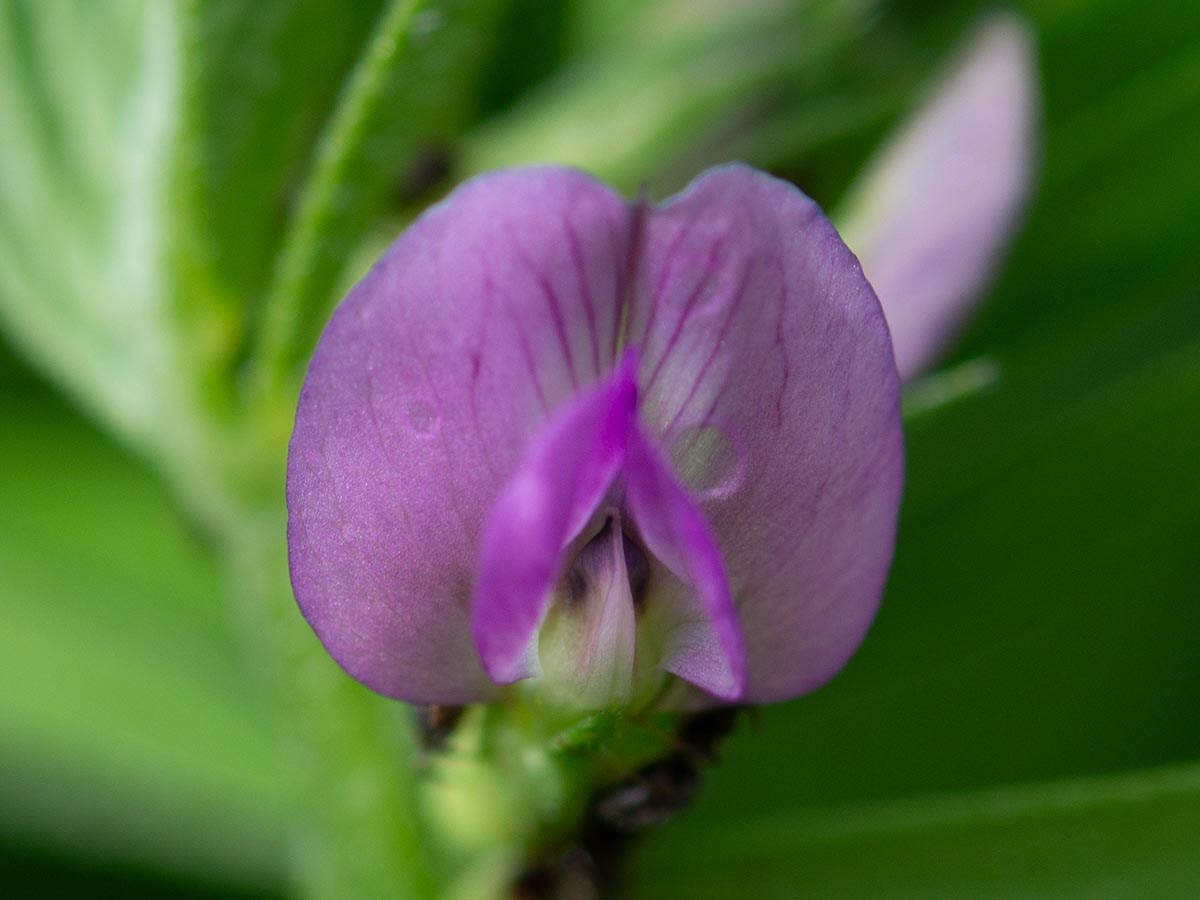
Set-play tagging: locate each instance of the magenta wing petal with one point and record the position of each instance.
(768, 376)
(705, 646)
(566, 471)
(433, 375)
(933, 214)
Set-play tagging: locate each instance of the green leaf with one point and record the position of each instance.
(80, 284)
(531, 40)
(408, 95)
(256, 84)
(659, 94)
(358, 827)
(1111, 226)
(1121, 837)
(130, 727)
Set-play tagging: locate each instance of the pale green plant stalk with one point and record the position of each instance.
(359, 830)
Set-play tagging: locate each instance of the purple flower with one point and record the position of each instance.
(933, 212)
(642, 454)
(556, 434)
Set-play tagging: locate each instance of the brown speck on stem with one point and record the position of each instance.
(437, 724)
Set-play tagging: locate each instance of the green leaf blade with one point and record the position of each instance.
(131, 729)
(1121, 837)
(409, 94)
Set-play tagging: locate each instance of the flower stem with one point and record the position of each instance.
(357, 832)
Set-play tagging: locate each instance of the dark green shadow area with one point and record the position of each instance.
(27, 874)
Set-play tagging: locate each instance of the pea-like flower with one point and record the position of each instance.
(557, 434)
(638, 455)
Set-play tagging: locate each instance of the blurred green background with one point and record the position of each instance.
(1021, 722)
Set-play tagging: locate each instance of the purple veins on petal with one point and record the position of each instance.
(538, 525)
(384, 518)
(789, 352)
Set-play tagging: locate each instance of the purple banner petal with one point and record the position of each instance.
(464, 418)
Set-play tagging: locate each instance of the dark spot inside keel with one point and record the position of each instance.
(577, 587)
(637, 565)
(580, 578)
